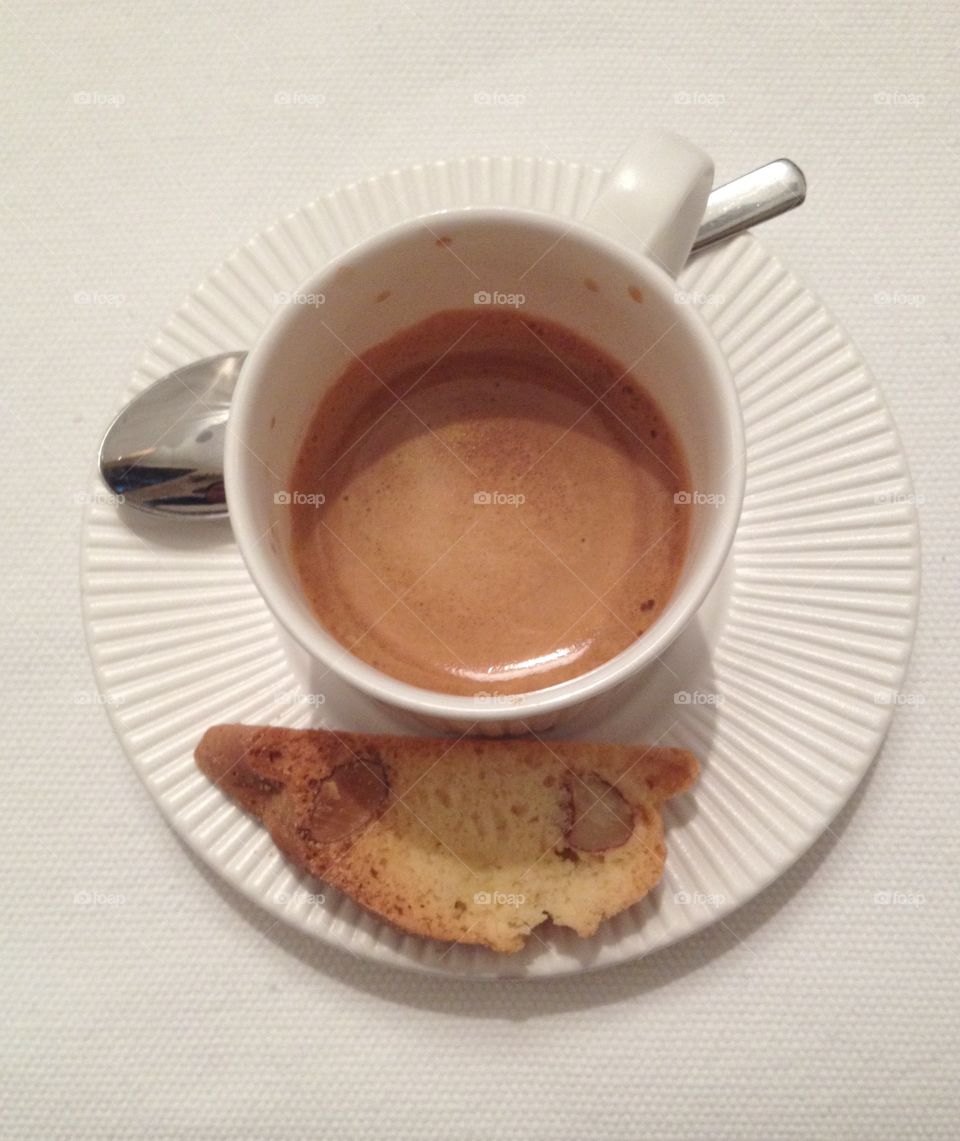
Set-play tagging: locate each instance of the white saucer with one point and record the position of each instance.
(792, 667)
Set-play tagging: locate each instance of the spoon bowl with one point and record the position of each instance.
(164, 452)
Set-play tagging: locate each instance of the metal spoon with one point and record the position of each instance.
(164, 452)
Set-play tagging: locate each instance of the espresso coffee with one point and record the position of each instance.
(488, 503)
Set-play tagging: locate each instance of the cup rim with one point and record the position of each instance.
(426, 703)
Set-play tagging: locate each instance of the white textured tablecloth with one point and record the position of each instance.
(142, 142)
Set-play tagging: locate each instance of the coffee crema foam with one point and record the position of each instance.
(485, 504)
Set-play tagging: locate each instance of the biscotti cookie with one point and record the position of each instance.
(473, 841)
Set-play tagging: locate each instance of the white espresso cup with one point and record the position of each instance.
(631, 242)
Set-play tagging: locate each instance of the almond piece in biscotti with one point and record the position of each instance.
(346, 801)
(601, 818)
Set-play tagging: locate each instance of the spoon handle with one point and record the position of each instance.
(769, 190)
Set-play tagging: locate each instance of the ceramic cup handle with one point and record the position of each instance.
(654, 199)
